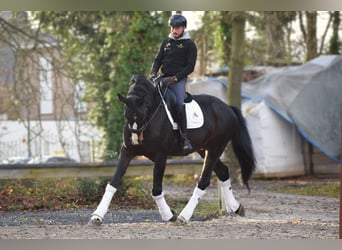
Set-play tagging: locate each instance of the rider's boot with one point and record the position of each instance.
(186, 145)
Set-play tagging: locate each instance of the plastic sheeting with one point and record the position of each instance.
(276, 143)
(308, 96)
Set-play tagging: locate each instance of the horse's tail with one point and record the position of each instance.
(243, 148)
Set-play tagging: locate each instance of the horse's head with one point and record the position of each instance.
(139, 100)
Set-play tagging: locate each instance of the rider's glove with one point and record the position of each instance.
(170, 80)
(151, 76)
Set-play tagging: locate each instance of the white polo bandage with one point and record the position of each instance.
(188, 210)
(228, 198)
(164, 209)
(102, 208)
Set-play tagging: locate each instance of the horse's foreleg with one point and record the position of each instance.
(124, 159)
(102, 208)
(189, 209)
(164, 210)
(157, 192)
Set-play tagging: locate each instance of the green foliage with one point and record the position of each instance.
(37, 194)
(104, 49)
(327, 190)
(272, 45)
(89, 188)
(214, 36)
(224, 36)
(67, 193)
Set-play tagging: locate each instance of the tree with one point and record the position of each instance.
(213, 40)
(335, 44)
(272, 45)
(236, 63)
(309, 32)
(236, 66)
(104, 49)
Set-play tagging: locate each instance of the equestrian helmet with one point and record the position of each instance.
(177, 20)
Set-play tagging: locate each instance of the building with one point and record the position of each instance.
(39, 97)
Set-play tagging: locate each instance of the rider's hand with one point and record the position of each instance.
(151, 76)
(170, 80)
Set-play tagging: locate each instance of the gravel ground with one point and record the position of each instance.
(269, 215)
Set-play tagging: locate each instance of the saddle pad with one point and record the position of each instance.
(194, 116)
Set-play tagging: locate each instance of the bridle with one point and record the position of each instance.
(144, 126)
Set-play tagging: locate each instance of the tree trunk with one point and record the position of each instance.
(236, 63)
(311, 39)
(275, 38)
(334, 41)
(236, 66)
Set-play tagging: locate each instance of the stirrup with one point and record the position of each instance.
(187, 147)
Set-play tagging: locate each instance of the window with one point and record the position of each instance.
(45, 79)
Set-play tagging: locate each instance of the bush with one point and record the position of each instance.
(65, 193)
(89, 188)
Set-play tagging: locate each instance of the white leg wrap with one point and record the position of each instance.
(227, 195)
(105, 202)
(188, 210)
(164, 209)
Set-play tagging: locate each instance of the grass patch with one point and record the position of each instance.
(327, 190)
(182, 179)
(205, 210)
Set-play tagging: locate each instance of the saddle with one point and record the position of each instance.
(194, 114)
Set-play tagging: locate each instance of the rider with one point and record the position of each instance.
(177, 56)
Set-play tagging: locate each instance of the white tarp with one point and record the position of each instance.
(276, 143)
(215, 86)
(308, 96)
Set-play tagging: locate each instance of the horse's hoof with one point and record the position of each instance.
(95, 221)
(240, 211)
(174, 217)
(182, 220)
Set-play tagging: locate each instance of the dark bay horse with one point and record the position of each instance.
(148, 132)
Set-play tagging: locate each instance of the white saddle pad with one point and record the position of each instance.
(194, 115)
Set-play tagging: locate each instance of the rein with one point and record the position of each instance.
(142, 128)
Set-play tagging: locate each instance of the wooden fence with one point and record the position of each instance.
(136, 168)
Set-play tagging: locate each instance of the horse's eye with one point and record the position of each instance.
(140, 101)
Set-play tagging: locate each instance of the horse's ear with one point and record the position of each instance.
(122, 98)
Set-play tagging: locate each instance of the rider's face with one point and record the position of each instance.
(177, 31)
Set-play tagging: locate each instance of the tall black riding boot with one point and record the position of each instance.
(181, 120)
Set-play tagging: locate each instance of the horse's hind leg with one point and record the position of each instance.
(231, 204)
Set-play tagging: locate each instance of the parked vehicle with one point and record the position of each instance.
(16, 160)
(52, 159)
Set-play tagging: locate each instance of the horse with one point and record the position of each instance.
(148, 132)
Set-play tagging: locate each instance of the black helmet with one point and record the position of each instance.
(177, 20)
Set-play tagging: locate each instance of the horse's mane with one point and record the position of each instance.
(140, 86)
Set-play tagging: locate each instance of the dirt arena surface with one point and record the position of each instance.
(269, 215)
